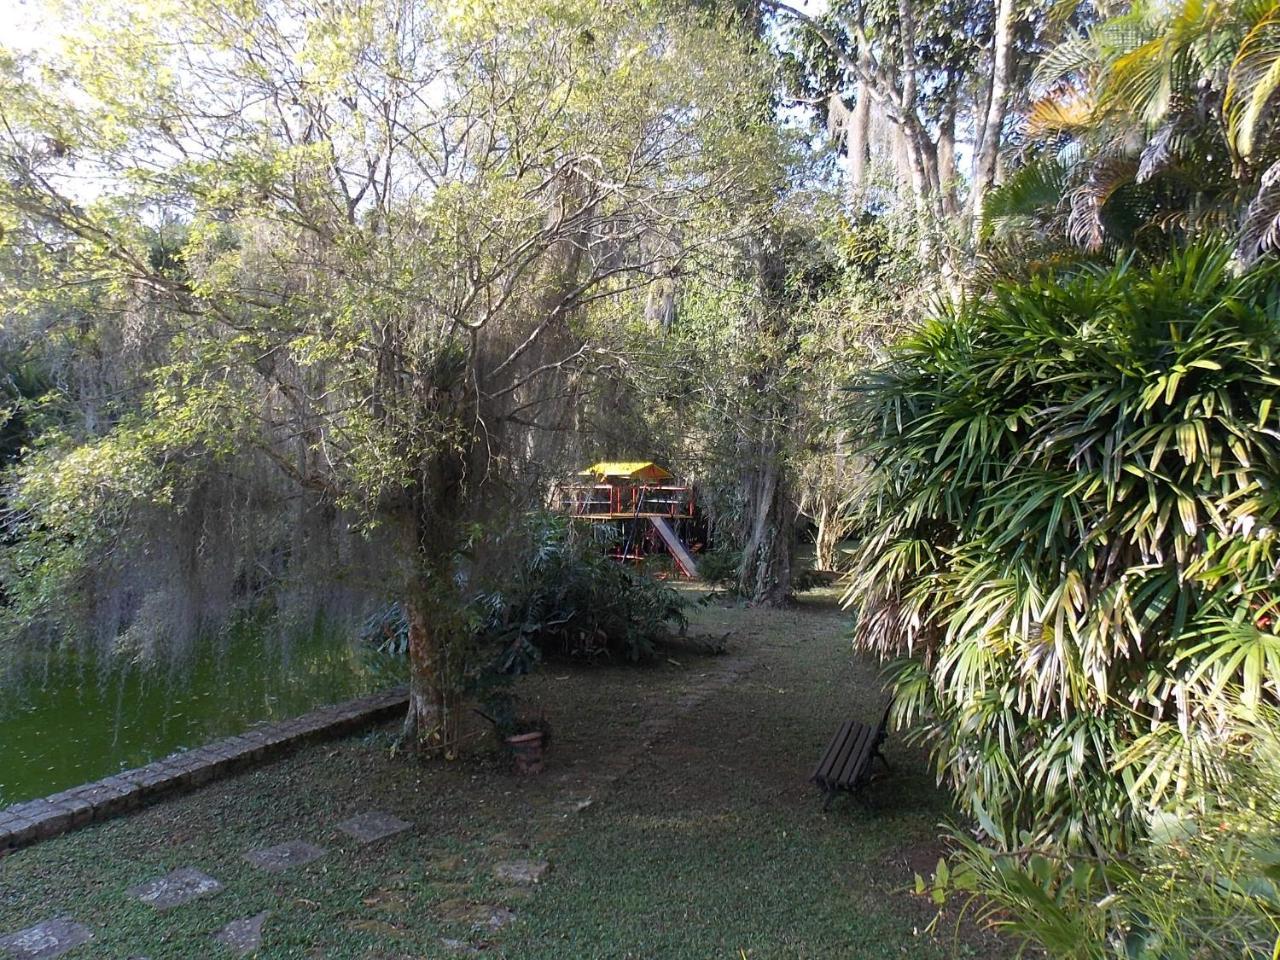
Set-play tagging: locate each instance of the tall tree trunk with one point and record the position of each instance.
(947, 160)
(859, 131)
(828, 536)
(433, 721)
(769, 522)
(427, 702)
(997, 105)
(765, 574)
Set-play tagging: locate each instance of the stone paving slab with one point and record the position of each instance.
(521, 871)
(35, 820)
(373, 825)
(244, 936)
(176, 888)
(282, 856)
(51, 938)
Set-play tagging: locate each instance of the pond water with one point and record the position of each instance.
(73, 721)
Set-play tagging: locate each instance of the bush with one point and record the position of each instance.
(720, 566)
(568, 598)
(1203, 886)
(565, 597)
(1068, 545)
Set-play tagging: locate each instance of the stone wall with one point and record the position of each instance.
(25, 823)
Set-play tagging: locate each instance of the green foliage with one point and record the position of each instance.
(1068, 543)
(568, 598)
(360, 251)
(561, 596)
(720, 566)
(1204, 887)
(1155, 125)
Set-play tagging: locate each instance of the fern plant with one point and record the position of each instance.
(1068, 542)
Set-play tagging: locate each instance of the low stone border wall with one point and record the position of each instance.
(25, 823)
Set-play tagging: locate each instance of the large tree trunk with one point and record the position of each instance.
(765, 574)
(826, 542)
(997, 105)
(769, 521)
(426, 723)
(947, 159)
(437, 639)
(859, 132)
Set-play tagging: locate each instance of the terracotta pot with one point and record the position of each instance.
(526, 750)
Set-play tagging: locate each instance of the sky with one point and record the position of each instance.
(24, 25)
(27, 24)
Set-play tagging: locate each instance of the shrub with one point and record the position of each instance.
(1203, 886)
(563, 596)
(1068, 545)
(568, 598)
(720, 566)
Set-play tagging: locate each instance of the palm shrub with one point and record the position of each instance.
(1157, 123)
(566, 597)
(1202, 887)
(1067, 539)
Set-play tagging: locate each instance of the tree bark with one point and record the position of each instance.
(859, 130)
(424, 724)
(433, 610)
(997, 105)
(765, 575)
(769, 523)
(828, 537)
(947, 160)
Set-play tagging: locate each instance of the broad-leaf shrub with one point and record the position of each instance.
(557, 594)
(1067, 538)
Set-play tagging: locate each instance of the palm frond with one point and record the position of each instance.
(1253, 82)
(1107, 174)
(1260, 232)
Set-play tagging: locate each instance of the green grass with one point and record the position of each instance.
(709, 843)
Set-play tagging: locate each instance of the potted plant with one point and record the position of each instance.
(525, 737)
(528, 741)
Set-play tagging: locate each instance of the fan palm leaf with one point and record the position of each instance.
(1253, 82)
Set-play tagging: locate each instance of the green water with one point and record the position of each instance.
(70, 721)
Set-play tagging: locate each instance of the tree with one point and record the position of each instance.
(908, 68)
(398, 217)
(1152, 126)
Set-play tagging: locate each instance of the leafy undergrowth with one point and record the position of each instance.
(706, 843)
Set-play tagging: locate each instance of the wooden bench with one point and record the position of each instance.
(846, 763)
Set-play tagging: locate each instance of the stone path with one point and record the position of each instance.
(175, 889)
(295, 853)
(371, 826)
(521, 871)
(46, 940)
(243, 936)
(53, 938)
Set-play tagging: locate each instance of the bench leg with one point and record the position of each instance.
(831, 796)
(883, 760)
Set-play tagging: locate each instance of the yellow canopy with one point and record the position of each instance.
(628, 469)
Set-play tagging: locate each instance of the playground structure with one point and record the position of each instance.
(647, 502)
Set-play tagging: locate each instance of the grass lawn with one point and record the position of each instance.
(702, 838)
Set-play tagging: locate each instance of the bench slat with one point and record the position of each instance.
(828, 755)
(831, 773)
(847, 775)
(846, 762)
